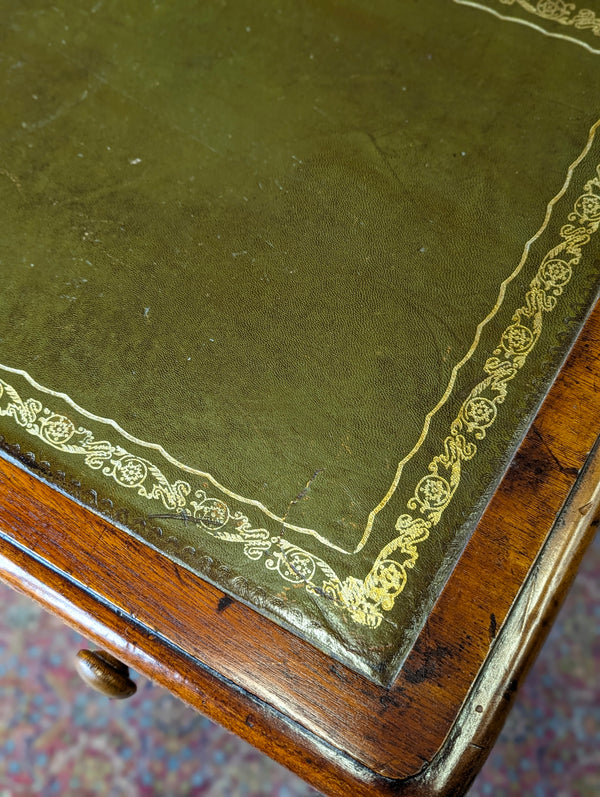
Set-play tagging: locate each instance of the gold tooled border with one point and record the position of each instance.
(365, 600)
(478, 333)
(562, 13)
(427, 422)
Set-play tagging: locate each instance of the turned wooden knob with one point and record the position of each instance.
(105, 674)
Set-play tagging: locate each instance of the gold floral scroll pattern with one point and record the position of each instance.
(562, 12)
(134, 472)
(367, 599)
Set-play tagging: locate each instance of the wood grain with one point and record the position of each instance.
(329, 770)
(313, 714)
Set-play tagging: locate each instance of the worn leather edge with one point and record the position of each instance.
(364, 600)
(471, 736)
(423, 679)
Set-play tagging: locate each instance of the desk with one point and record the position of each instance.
(287, 420)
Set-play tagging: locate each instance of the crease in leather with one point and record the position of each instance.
(262, 242)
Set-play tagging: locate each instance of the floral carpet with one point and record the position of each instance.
(59, 738)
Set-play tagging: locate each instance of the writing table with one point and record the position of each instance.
(298, 358)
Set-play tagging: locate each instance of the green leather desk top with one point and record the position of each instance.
(282, 285)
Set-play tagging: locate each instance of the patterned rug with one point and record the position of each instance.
(59, 738)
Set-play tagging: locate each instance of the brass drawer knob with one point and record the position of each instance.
(104, 673)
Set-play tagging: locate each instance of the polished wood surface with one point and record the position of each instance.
(327, 723)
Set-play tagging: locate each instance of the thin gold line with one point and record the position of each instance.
(475, 343)
(165, 454)
(428, 417)
(529, 25)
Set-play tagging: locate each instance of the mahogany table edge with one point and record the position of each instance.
(474, 731)
(174, 665)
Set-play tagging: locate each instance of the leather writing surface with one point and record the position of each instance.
(288, 284)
